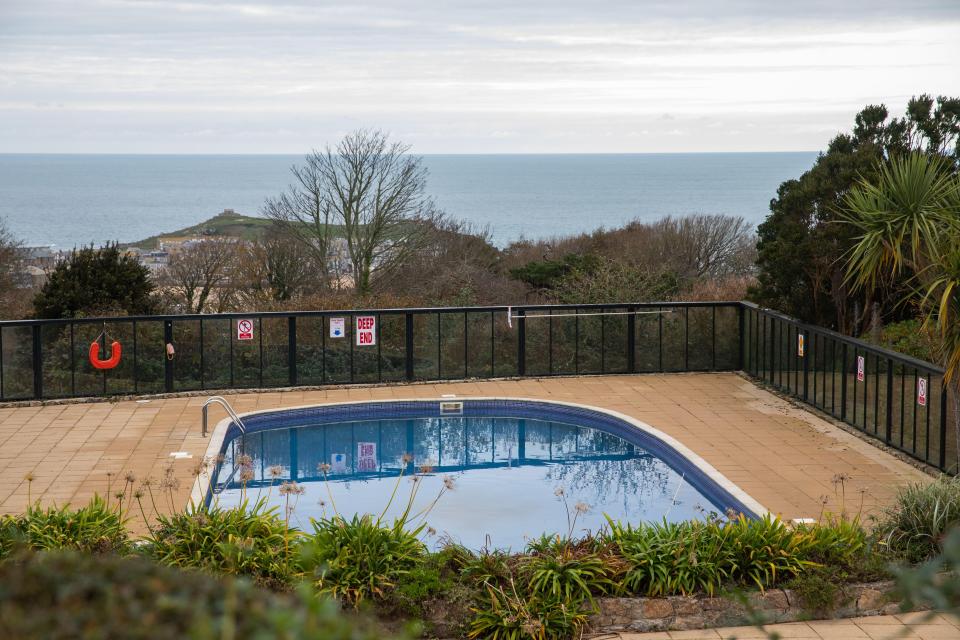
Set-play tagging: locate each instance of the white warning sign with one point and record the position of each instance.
(366, 331)
(922, 392)
(245, 329)
(861, 368)
(338, 327)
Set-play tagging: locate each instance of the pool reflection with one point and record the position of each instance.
(507, 474)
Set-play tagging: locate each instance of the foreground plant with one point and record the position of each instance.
(95, 528)
(917, 523)
(243, 540)
(73, 595)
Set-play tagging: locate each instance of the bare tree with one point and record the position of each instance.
(374, 190)
(198, 277)
(304, 212)
(278, 268)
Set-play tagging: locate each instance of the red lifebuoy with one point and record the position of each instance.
(111, 362)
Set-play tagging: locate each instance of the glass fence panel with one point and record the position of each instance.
(151, 356)
(700, 344)
(426, 346)
(480, 344)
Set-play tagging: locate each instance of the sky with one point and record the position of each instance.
(486, 76)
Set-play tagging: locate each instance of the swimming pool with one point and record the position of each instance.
(509, 470)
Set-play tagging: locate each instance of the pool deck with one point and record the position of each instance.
(913, 626)
(784, 457)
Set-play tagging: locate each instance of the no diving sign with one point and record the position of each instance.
(245, 329)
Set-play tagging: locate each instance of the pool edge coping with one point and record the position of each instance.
(202, 483)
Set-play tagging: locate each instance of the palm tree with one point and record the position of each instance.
(909, 229)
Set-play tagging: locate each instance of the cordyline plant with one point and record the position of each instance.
(908, 219)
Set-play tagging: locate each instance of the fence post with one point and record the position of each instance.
(944, 390)
(37, 363)
(631, 340)
(168, 362)
(740, 328)
(521, 343)
(806, 364)
(408, 358)
(889, 403)
(292, 349)
(843, 386)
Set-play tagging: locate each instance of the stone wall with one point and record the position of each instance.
(699, 612)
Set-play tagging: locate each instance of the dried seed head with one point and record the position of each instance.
(324, 468)
(559, 492)
(581, 507)
(130, 477)
(246, 475)
(449, 483)
(291, 488)
(407, 458)
(244, 460)
(275, 471)
(29, 477)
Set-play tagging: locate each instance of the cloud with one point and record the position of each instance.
(552, 74)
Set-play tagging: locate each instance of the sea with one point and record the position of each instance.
(73, 200)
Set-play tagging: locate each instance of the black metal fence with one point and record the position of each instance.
(872, 389)
(897, 399)
(45, 359)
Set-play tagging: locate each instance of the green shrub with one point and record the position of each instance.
(915, 526)
(817, 589)
(509, 615)
(71, 595)
(557, 568)
(687, 557)
(94, 528)
(359, 558)
(241, 540)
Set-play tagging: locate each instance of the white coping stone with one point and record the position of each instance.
(180, 455)
(202, 482)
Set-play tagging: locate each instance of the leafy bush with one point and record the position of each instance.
(915, 526)
(510, 615)
(359, 558)
(558, 568)
(70, 595)
(95, 528)
(687, 557)
(243, 540)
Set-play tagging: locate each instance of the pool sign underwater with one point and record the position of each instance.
(245, 329)
(366, 331)
(338, 462)
(922, 392)
(337, 327)
(861, 368)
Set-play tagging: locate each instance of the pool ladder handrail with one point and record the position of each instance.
(226, 405)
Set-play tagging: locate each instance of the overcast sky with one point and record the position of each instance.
(199, 76)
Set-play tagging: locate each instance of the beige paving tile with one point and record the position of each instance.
(783, 456)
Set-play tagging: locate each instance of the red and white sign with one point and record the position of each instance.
(800, 345)
(922, 392)
(245, 329)
(861, 368)
(366, 331)
(366, 456)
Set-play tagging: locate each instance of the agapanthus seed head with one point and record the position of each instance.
(407, 458)
(324, 468)
(246, 475)
(130, 477)
(449, 483)
(581, 507)
(559, 492)
(243, 460)
(275, 471)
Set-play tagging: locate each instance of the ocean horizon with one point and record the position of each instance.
(71, 200)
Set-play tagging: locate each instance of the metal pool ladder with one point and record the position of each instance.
(226, 405)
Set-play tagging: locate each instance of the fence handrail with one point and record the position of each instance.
(857, 342)
(233, 315)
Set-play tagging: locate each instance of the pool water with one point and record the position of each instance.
(512, 479)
